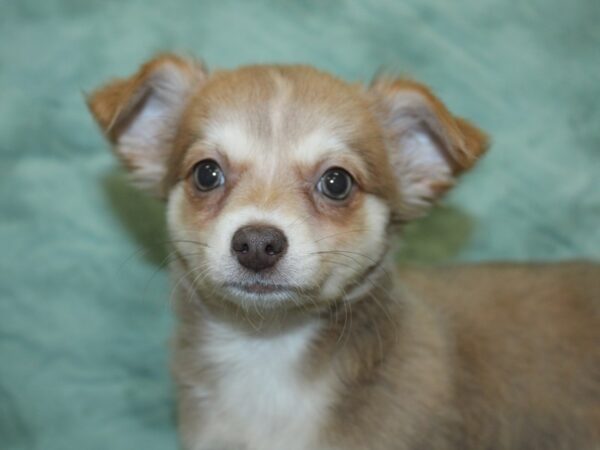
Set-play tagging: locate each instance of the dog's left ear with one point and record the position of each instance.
(140, 115)
(428, 147)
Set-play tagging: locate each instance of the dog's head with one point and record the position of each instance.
(282, 182)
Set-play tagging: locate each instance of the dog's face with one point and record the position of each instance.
(282, 182)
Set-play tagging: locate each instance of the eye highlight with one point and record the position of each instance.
(208, 175)
(335, 184)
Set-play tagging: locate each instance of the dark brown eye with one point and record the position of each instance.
(336, 184)
(208, 175)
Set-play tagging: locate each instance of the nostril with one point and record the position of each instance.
(239, 244)
(270, 250)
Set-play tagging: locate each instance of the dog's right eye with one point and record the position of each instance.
(208, 175)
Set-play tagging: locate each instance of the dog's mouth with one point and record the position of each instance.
(260, 288)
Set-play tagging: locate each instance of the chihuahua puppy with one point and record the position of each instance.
(284, 186)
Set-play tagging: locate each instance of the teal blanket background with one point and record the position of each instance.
(84, 310)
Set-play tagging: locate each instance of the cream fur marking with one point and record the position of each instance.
(258, 398)
(236, 138)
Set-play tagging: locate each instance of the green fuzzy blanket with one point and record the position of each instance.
(84, 297)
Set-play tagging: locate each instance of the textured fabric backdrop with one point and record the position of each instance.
(84, 311)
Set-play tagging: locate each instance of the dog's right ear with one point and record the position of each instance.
(139, 115)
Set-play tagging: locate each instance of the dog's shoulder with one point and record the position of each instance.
(527, 348)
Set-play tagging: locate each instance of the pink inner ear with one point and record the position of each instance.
(408, 104)
(422, 171)
(427, 145)
(421, 150)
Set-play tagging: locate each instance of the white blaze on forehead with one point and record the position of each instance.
(237, 133)
(279, 106)
(235, 138)
(276, 137)
(318, 144)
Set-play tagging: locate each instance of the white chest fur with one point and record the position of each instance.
(258, 397)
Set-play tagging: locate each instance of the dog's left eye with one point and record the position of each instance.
(336, 184)
(208, 175)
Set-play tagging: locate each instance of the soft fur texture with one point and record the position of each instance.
(83, 314)
(330, 348)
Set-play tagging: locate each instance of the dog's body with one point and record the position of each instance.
(474, 357)
(284, 185)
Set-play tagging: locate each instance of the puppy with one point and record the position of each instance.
(284, 186)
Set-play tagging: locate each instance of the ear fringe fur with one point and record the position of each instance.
(464, 140)
(138, 115)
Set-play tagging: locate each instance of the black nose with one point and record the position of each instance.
(258, 247)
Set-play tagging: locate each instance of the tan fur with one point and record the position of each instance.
(112, 104)
(356, 354)
(527, 350)
(467, 143)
